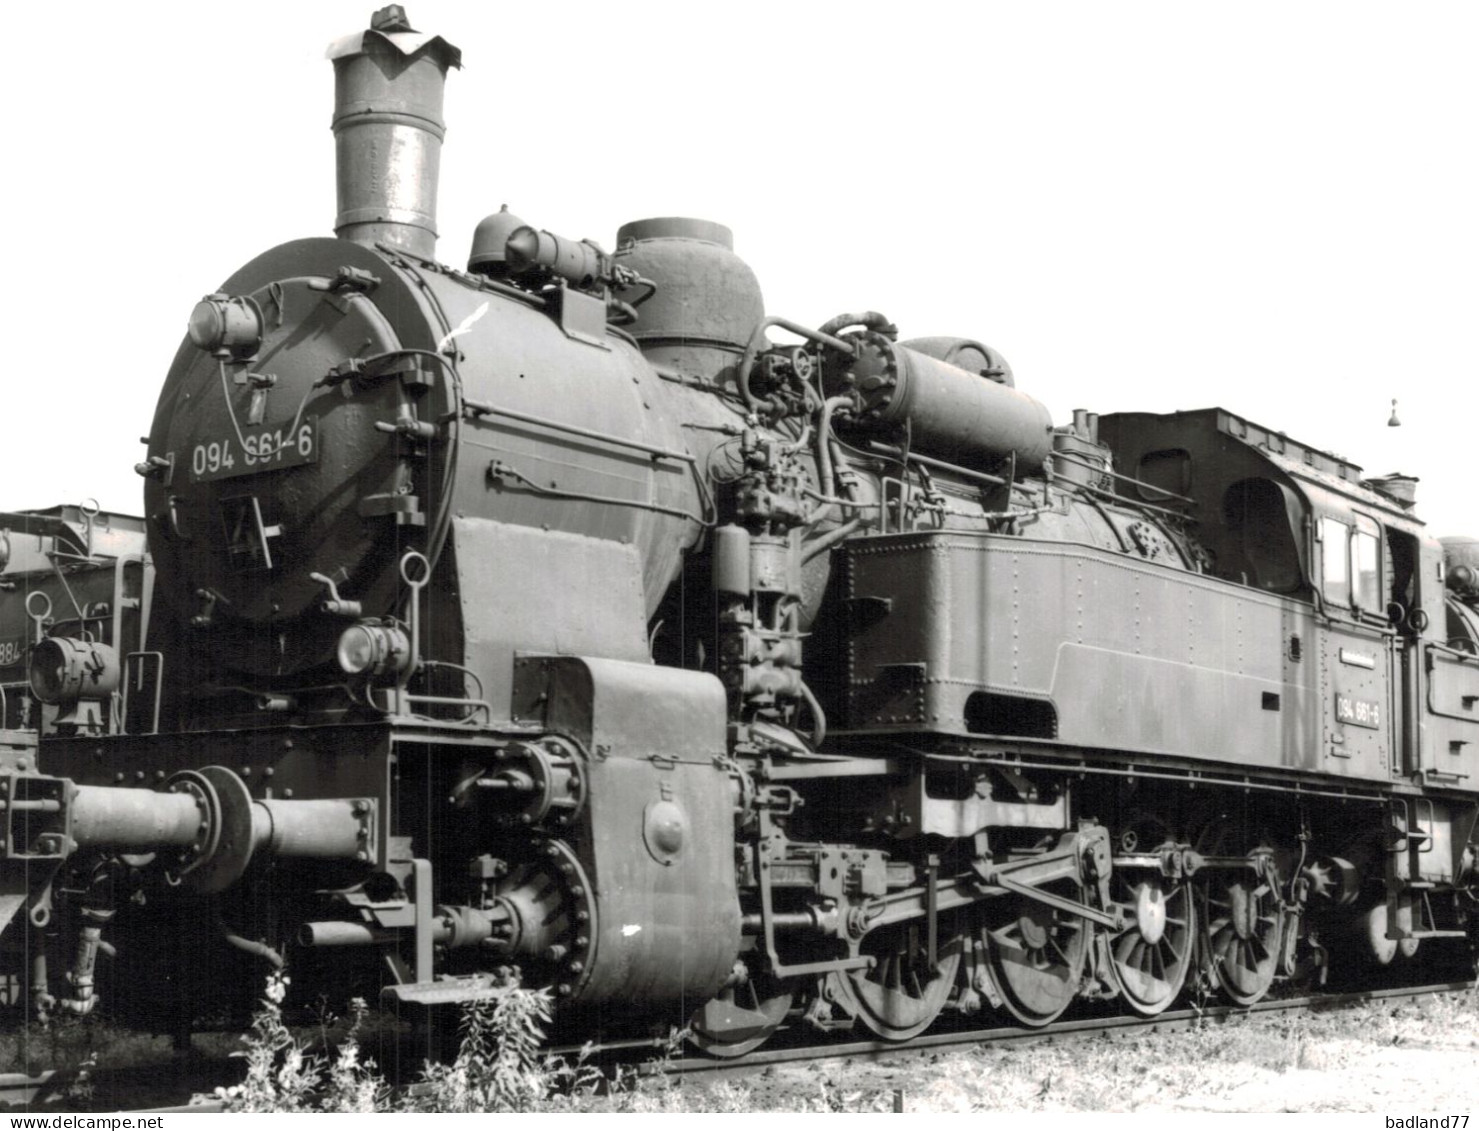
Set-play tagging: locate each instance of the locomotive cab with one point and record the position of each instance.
(1281, 517)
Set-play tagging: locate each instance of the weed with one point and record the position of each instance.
(80, 1089)
(281, 1075)
(501, 1068)
(498, 1067)
(352, 1084)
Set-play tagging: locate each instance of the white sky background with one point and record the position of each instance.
(1145, 206)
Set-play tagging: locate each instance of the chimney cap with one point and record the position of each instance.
(392, 26)
(392, 17)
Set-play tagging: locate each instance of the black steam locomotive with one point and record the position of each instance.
(550, 614)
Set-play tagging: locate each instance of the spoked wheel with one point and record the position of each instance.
(1151, 956)
(1380, 949)
(741, 1018)
(902, 994)
(1243, 934)
(1035, 956)
(1407, 948)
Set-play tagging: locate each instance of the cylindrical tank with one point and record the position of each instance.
(388, 132)
(968, 354)
(952, 414)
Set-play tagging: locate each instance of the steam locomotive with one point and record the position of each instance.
(553, 614)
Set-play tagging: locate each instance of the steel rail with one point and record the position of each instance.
(1127, 1025)
(19, 1091)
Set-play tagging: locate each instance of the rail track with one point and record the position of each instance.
(1122, 1026)
(68, 1091)
(112, 1089)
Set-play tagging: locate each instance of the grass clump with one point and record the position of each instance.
(499, 1067)
(282, 1075)
(1377, 1056)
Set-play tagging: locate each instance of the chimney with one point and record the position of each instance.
(388, 131)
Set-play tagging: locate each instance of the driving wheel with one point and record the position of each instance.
(1035, 956)
(1243, 933)
(902, 993)
(741, 1017)
(1152, 953)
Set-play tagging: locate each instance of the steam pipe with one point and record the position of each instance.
(249, 946)
(869, 319)
(340, 932)
(837, 534)
(758, 341)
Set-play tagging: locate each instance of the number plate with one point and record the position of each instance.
(12, 652)
(1358, 712)
(267, 449)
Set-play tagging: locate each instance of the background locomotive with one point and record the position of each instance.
(552, 614)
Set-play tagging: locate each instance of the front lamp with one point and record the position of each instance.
(65, 670)
(374, 649)
(225, 326)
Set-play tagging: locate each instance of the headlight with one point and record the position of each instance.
(64, 670)
(226, 327)
(375, 649)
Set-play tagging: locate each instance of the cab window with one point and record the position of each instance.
(1164, 474)
(1335, 571)
(1366, 565)
(1260, 548)
(1351, 564)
